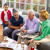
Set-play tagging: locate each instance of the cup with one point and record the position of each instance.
(22, 44)
(32, 48)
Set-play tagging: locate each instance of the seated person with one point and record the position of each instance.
(45, 27)
(6, 15)
(15, 23)
(31, 25)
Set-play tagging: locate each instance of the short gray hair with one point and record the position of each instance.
(31, 11)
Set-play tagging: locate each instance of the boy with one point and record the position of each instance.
(5, 15)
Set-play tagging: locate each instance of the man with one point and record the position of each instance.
(15, 23)
(31, 25)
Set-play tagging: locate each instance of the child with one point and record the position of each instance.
(5, 15)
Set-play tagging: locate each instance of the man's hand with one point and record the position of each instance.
(24, 31)
(30, 41)
(22, 28)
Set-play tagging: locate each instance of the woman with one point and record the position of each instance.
(15, 23)
(45, 27)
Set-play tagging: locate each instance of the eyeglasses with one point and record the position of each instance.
(14, 15)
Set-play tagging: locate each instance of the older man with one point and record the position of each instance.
(32, 24)
(45, 36)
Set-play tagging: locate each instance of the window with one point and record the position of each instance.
(36, 5)
(48, 6)
(39, 5)
(10, 3)
(0, 3)
(49, 10)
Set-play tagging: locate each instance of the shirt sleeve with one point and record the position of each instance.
(2, 18)
(44, 34)
(25, 25)
(36, 28)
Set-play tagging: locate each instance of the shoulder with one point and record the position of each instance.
(36, 19)
(9, 11)
(2, 12)
(27, 19)
(12, 17)
(48, 23)
(20, 17)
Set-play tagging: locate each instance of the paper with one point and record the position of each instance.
(10, 44)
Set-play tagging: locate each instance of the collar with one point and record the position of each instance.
(5, 11)
(45, 21)
(33, 18)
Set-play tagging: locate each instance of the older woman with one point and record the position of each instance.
(45, 27)
(15, 23)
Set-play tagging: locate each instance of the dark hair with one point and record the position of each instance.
(14, 10)
(5, 4)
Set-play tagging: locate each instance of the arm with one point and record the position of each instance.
(14, 27)
(43, 34)
(2, 18)
(10, 24)
(36, 27)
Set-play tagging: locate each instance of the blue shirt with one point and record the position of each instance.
(16, 23)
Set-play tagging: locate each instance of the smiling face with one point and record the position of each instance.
(40, 17)
(43, 15)
(16, 15)
(30, 16)
(6, 7)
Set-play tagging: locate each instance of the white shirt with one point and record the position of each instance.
(5, 17)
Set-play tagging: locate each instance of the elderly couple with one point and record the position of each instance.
(31, 25)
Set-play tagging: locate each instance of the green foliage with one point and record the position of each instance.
(11, 0)
(28, 7)
(35, 7)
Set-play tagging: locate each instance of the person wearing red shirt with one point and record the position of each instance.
(5, 15)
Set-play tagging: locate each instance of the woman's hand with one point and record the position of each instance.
(30, 41)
